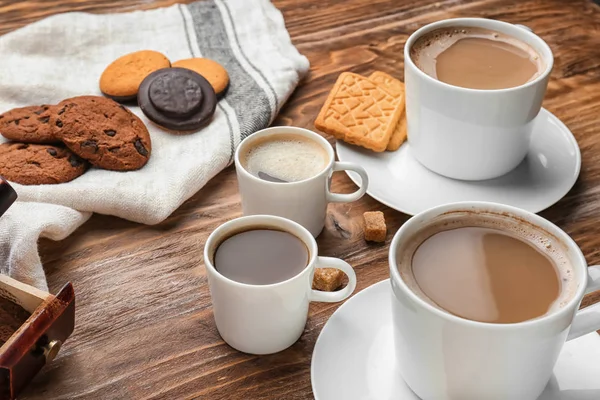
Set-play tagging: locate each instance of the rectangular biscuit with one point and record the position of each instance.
(392, 85)
(360, 112)
(399, 135)
(395, 87)
(374, 228)
(326, 120)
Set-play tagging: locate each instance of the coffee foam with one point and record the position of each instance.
(428, 47)
(290, 158)
(549, 245)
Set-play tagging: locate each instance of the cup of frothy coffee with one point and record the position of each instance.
(484, 297)
(286, 171)
(473, 89)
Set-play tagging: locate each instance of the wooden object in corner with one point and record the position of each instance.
(39, 339)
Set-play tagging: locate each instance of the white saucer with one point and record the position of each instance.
(353, 357)
(399, 181)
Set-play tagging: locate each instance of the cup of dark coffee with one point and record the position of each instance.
(260, 270)
(484, 297)
(473, 89)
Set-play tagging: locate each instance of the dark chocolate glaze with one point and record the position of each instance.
(122, 99)
(177, 98)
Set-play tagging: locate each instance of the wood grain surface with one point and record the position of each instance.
(144, 326)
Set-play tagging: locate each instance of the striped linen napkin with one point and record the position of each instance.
(64, 55)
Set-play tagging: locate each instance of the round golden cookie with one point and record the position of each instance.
(214, 72)
(121, 79)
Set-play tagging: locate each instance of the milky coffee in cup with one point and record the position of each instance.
(482, 270)
(476, 58)
(285, 158)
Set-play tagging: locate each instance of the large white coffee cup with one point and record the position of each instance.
(445, 357)
(472, 134)
(305, 201)
(264, 319)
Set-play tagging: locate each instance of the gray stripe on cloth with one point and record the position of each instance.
(237, 40)
(227, 115)
(187, 30)
(232, 146)
(249, 101)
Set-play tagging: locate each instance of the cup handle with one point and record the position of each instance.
(333, 297)
(347, 198)
(524, 27)
(588, 319)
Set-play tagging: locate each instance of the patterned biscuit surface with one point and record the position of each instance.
(397, 89)
(360, 112)
(394, 86)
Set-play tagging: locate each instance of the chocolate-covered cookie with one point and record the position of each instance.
(177, 98)
(103, 132)
(39, 164)
(32, 124)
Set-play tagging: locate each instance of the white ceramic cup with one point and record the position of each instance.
(472, 134)
(445, 357)
(304, 201)
(264, 319)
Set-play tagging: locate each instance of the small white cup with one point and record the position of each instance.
(304, 201)
(265, 319)
(472, 134)
(445, 357)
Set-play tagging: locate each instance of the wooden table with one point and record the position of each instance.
(144, 326)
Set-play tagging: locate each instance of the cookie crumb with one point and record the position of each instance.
(374, 226)
(327, 279)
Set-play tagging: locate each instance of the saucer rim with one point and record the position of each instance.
(381, 286)
(561, 125)
(372, 287)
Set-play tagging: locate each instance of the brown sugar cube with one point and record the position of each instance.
(374, 228)
(327, 279)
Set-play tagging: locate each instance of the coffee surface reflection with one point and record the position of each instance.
(476, 58)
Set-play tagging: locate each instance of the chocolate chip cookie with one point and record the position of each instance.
(33, 124)
(39, 164)
(103, 132)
